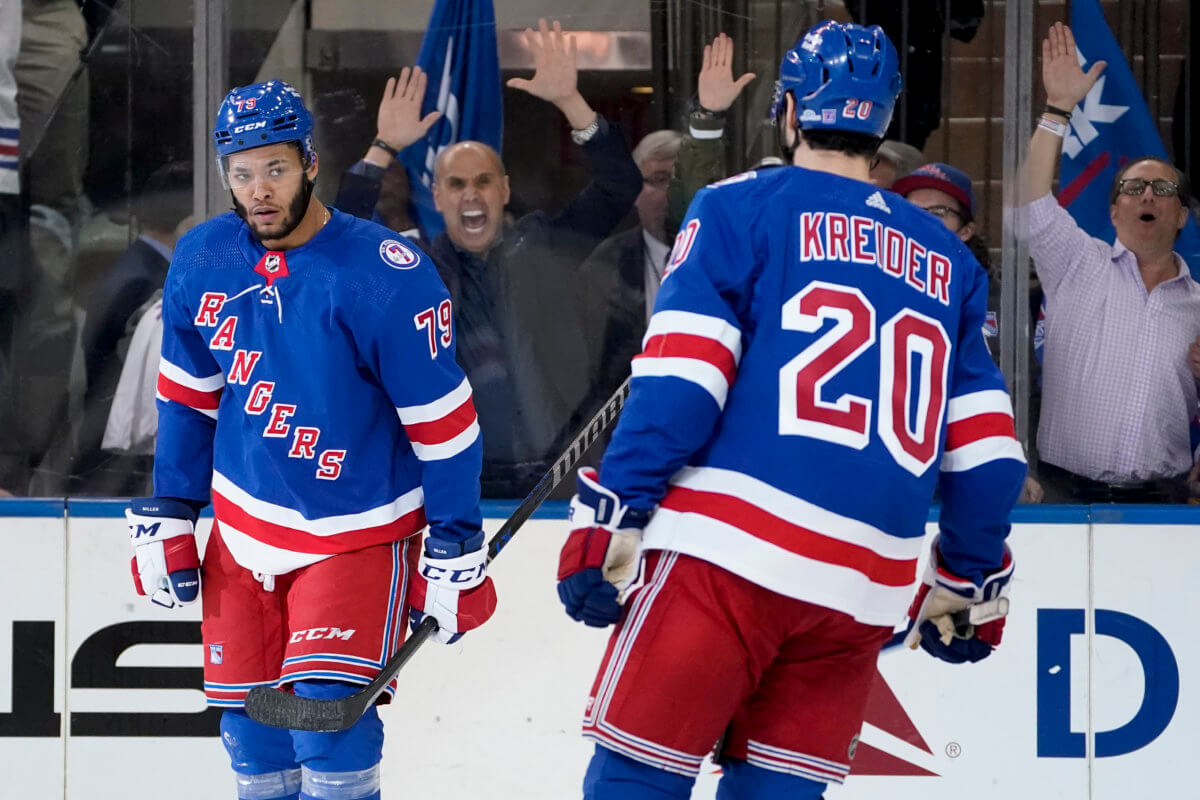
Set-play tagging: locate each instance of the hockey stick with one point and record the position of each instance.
(281, 709)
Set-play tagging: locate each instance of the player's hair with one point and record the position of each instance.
(166, 197)
(847, 142)
(1181, 178)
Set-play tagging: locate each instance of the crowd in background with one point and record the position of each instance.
(549, 305)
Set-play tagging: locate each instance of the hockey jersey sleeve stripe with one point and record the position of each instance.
(438, 409)
(980, 426)
(212, 383)
(705, 375)
(442, 429)
(988, 401)
(230, 515)
(210, 413)
(793, 538)
(700, 348)
(982, 451)
(201, 401)
(450, 447)
(689, 322)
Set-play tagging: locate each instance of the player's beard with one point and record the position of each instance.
(291, 220)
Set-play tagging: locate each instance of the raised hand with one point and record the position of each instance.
(555, 77)
(399, 122)
(1065, 82)
(717, 88)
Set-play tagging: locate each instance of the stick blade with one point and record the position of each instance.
(281, 709)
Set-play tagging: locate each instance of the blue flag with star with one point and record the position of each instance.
(1110, 127)
(458, 53)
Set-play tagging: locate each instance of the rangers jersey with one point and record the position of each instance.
(314, 392)
(815, 364)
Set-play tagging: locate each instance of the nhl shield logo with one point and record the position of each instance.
(396, 255)
(271, 263)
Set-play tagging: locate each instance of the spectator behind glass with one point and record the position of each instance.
(14, 256)
(946, 192)
(1119, 378)
(620, 279)
(512, 282)
(521, 341)
(163, 210)
(376, 187)
(53, 100)
(895, 159)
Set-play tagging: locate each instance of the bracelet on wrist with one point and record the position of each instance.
(707, 113)
(385, 147)
(1055, 127)
(585, 134)
(1058, 111)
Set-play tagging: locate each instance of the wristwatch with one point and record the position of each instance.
(584, 135)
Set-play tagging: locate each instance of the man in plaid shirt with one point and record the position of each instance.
(1122, 352)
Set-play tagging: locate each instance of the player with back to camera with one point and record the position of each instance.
(308, 382)
(814, 366)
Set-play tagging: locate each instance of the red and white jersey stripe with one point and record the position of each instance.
(273, 539)
(444, 428)
(786, 544)
(979, 429)
(695, 347)
(179, 386)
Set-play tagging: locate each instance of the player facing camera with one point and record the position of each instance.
(265, 157)
(325, 437)
(830, 95)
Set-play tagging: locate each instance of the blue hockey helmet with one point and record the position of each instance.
(844, 77)
(262, 114)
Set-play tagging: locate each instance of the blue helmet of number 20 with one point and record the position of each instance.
(843, 77)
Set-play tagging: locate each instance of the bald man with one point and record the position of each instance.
(470, 191)
(513, 285)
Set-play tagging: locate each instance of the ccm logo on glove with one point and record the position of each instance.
(471, 576)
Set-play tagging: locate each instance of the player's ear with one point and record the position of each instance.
(791, 134)
(312, 169)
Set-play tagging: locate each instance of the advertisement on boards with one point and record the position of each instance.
(1087, 699)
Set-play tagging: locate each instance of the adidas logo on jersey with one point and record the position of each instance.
(876, 201)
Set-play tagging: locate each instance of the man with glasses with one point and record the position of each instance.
(1118, 386)
(943, 191)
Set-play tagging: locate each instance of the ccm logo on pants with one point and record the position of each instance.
(321, 633)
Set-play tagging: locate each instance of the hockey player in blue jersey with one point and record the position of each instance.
(308, 388)
(813, 368)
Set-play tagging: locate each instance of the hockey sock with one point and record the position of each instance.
(612, 776)
(261, 757)
(742, 781)
(342, 765)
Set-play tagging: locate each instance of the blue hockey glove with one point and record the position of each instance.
(603, 553)
(165, 563)
(452, 585)
(955, 620)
